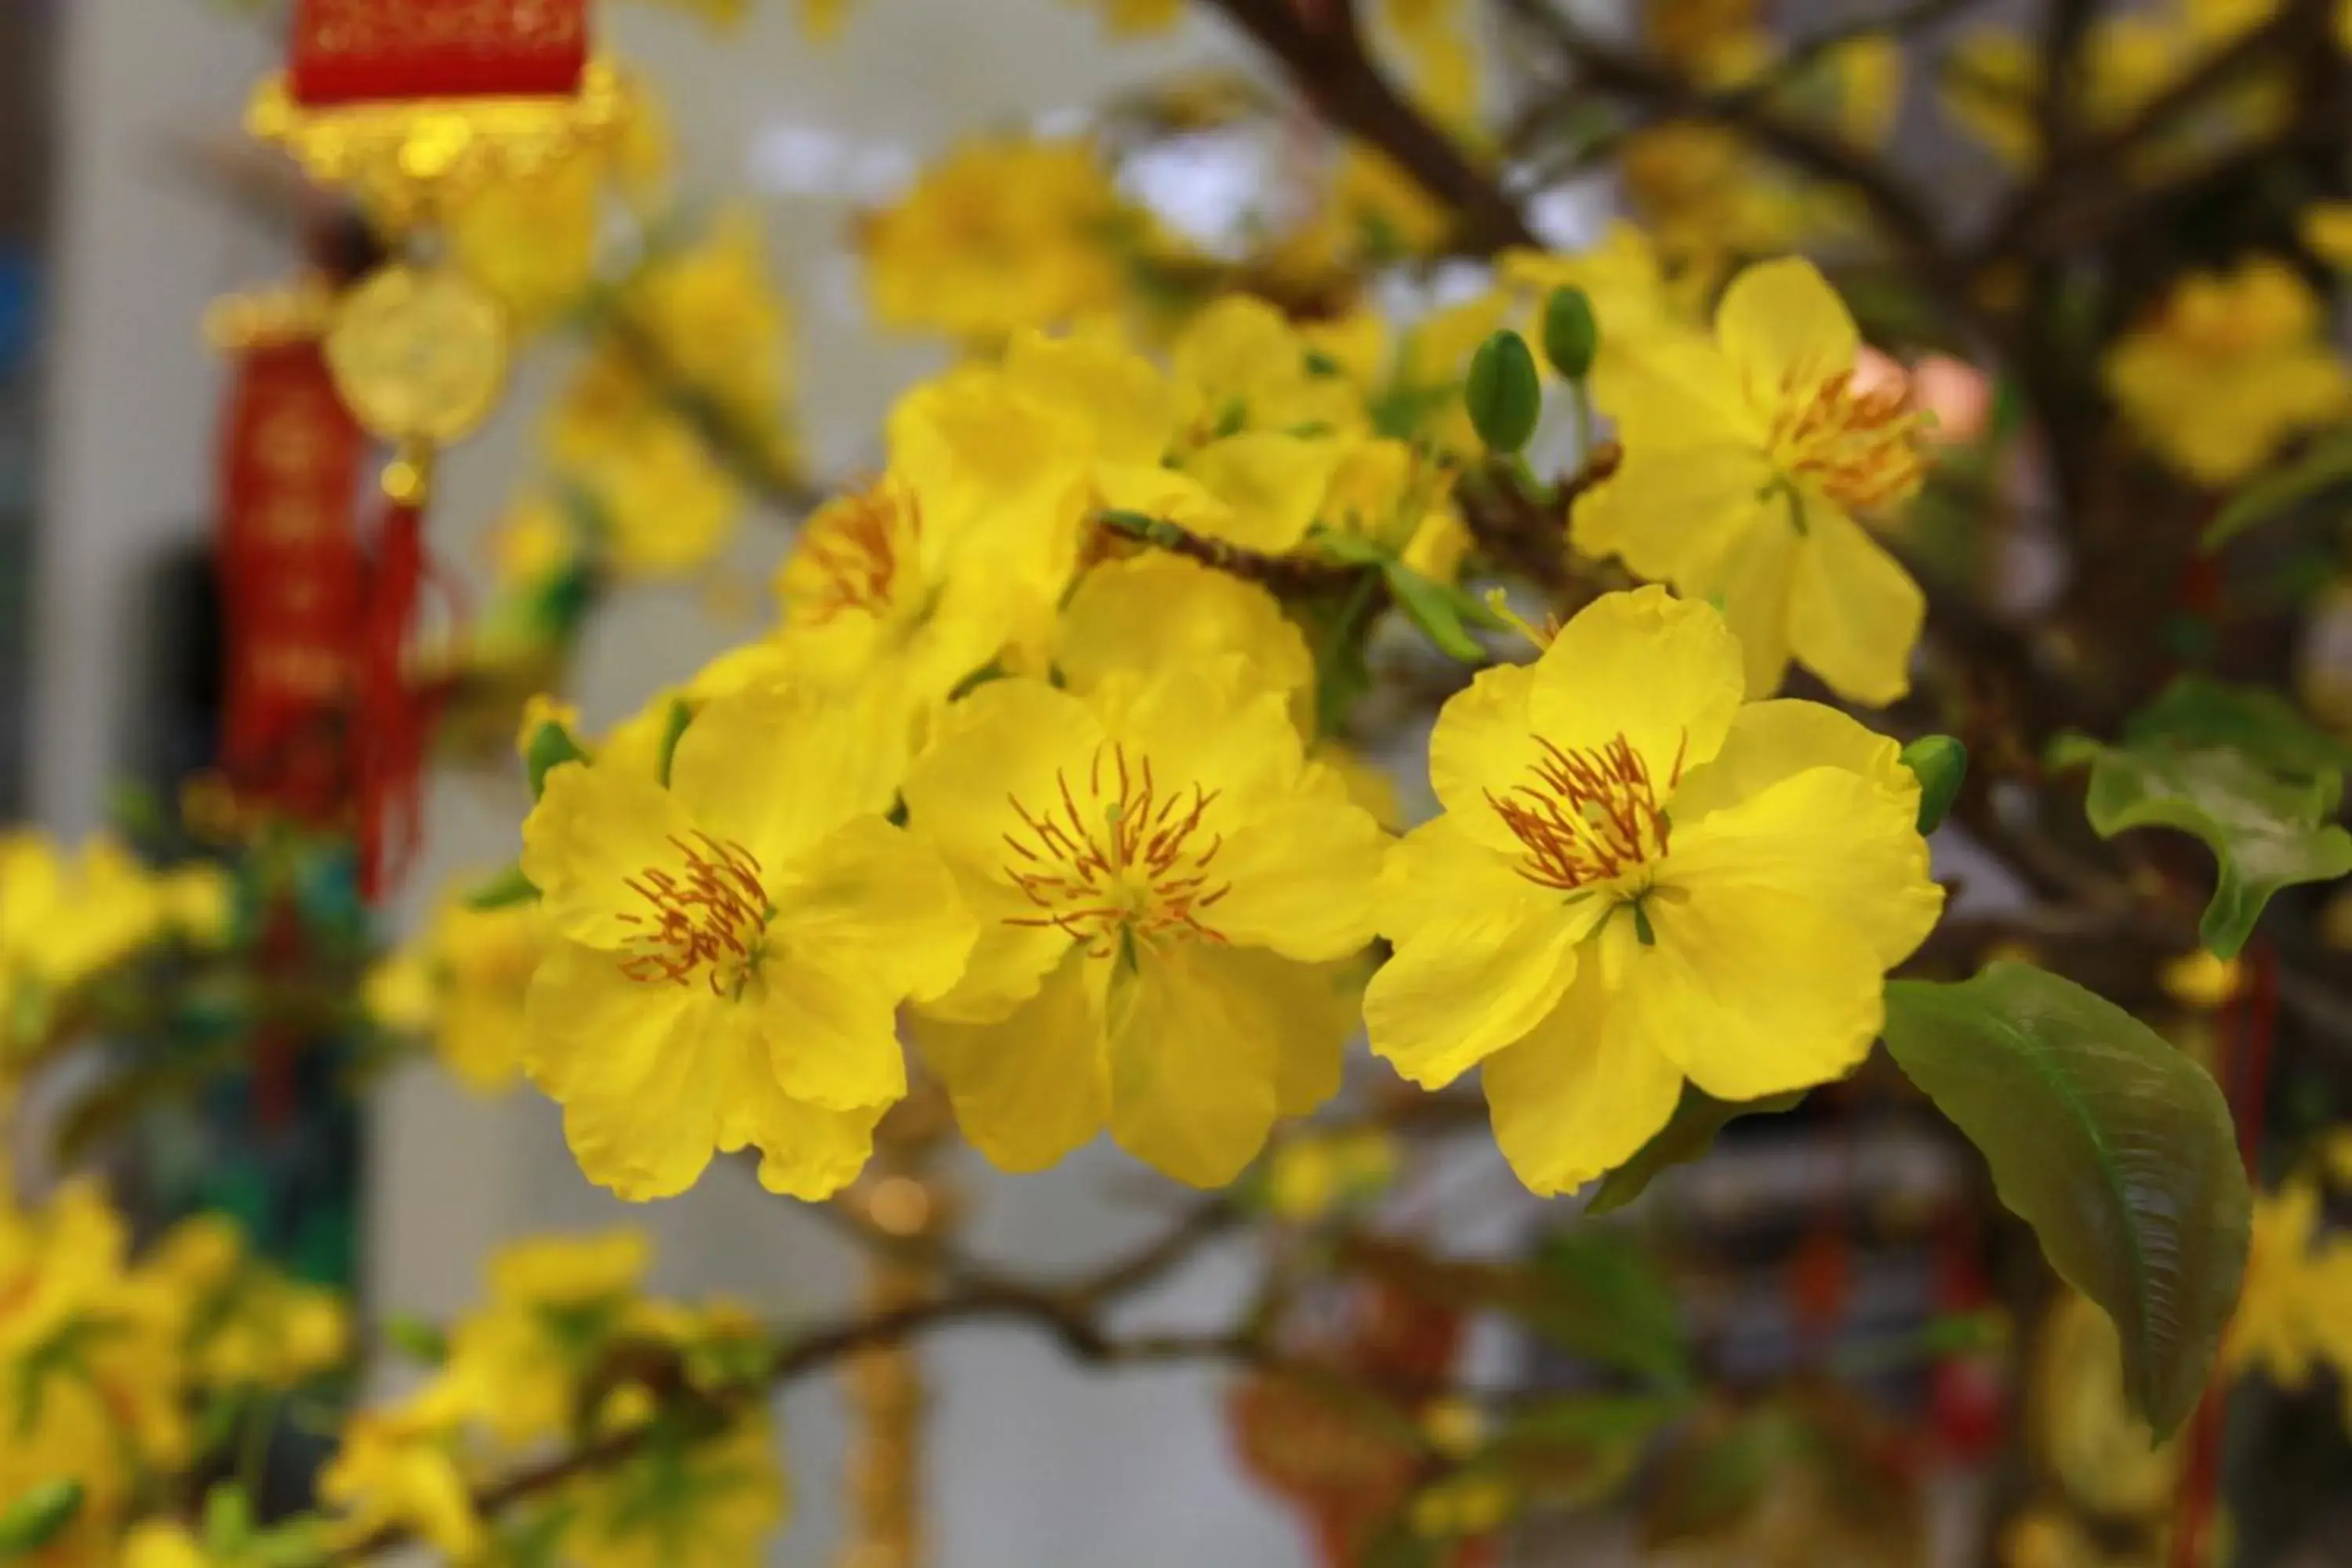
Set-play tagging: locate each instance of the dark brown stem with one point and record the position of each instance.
(1324, 53)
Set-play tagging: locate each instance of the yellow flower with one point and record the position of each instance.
(659, 501)
(88, 1355)
(1635, 881)
(158, 1545)
(733, 948)
(1001, 234)
(248, 1325)
(1633, 301)
(1197, 617)
(712, 1503)
(462, 980)
(401, 1466)
(1747, 460)
(554, 1302)
(714, 319)
(2327, 228)
(1433, 36)
(1306, 1177)
(1164, 885)
(2278, 1325)
(1394, 494)
(2233, 364)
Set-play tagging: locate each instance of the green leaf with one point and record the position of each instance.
(550, 747)
(1436, 610)
(1604, 1299)
(2324, 465)
(1503, 393)
(1941, 764)
(505, 890)
(2196, 711)
(2266, 832)
(2114, 1146)
(1688, 1135)
(416, 1339)
(35, 1516)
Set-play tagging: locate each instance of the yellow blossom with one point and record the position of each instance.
(712, 318)
(2231, 366)
(248, 1325)
(462, 980)
(712, 1503)
(733, 947)
(1164, 885)
(1001, 234)
(659, 501)
(530, 238)
(2278, 1325)
(1747, 462)
(401, 1466)
(1197, 617)
(1637, 881)
(554, 1302)
(2327, 228)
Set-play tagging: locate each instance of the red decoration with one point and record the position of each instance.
(359, 51)
(392, 727)
(292, 580)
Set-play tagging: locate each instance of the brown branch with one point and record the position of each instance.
(1067, 1313)
(1326, 59)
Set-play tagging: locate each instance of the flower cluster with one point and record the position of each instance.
(115, 1368)
(1063, 814)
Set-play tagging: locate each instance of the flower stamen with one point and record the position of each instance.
(1859, 447)
(1589, 814)
(1117, 853)
(703, 919)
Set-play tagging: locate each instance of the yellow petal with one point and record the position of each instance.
(830, 1033)
(1029, 1090)
(1785, 330)
(1781, 739)
(1663, 672)
(630, 1063)
(1010, 739)
(1302, 872)
(1578, 1096)
(805, 1152)
(1483, 745)
(1235, 347)
(1751, 989)
(778, 766)
(1854, 614)
(1118, 395)
(1843, 842)
(1471, 981)
(1441, 869)
(874, 899)
(595, 829)
(1271, 485)
(1149, 612)
(1193, 1040)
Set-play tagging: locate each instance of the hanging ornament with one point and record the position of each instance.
(411, 107)
(288, 558)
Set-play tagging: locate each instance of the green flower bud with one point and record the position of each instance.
(1570, 336)
(1503, 393)
(1941, 764)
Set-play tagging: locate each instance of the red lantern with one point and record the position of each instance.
(350, 51)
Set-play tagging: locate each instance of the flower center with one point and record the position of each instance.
(1121, 856)
(1860, 448)
(702, 919)
(1587, 815)
(848, 556)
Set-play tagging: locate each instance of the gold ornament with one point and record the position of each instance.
(406, 160)
(418, 354)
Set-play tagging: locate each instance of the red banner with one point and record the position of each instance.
(353, 51)
(292, 583)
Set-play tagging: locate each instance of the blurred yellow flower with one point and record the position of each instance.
(734, 946)
(401, 1465)
(554, 1303)
(247, 1324)
(1638, 881)
(658, 500)
(1163, 885)
(462, 981)
(1746, 461)
(1000, 235)
(2231, 366)
(714, 1502)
